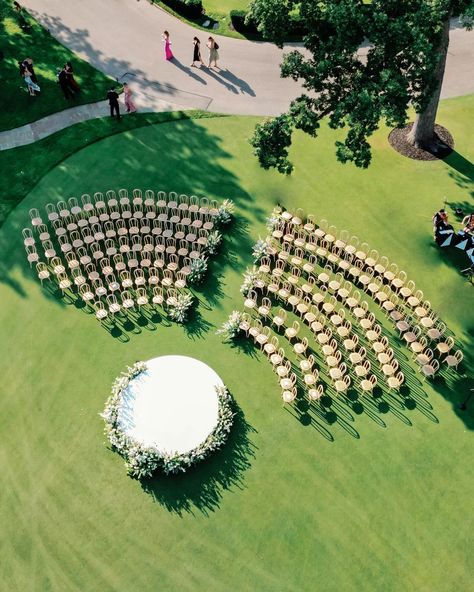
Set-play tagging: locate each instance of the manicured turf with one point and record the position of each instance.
(24, 166)
(18, 108)
(384, 506)
(225, 6)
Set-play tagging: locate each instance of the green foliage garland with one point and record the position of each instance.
(142, 461)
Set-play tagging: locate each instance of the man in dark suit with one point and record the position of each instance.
(113, 102)
(64, 84)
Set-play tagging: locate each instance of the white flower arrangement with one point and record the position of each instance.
(197, 270)
(260, 249)
(142, 461)
(214, 239)
(274, 218)
(178, 308)
(224, 213)
(251, 276)
(231, 328)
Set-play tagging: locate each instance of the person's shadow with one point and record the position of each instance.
(228, 86)
(245, 88)
(187, 70)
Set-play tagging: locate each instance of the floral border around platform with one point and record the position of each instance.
(142, 461)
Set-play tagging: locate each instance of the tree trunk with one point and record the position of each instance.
(422, 133)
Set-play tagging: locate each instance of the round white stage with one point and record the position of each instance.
(172, 406)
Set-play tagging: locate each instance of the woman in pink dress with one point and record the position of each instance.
(127, 96)
(167, 42)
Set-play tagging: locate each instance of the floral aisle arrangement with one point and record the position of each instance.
(142, 461)
(274, 218)
(178, 308)
(232, 327)
(251, 277)
(224, 213)
(198, 269)
(260, 249)
(214, 240)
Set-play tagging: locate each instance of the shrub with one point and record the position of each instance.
(191, 9)
(242, 24)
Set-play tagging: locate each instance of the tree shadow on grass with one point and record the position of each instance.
(461, 171)
(194, 167)
(235, 240)
(201, 488)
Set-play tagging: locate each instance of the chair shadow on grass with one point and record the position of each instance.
(202, 487)
(145, 319)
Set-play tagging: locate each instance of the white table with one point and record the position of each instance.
(173, 406)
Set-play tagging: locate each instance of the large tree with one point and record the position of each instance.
(405, 42)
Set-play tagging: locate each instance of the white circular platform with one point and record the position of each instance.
(173, 406)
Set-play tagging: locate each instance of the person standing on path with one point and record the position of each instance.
(197, 52)
(127, 95)
(167, 44)
(213, 55)
(113, 102)
(63, 80)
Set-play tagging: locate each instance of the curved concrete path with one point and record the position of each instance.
(123, 39)
(124, 36)
(119, 36)
(42, 128)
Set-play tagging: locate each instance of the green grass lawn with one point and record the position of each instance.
(18, 108)
(225, 6)
(381, 504)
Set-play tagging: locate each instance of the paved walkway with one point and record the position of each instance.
(145, 99)
(123, 39)
(118, 36)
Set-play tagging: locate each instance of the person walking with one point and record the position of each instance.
(28, 63)
(213, 54)
(197, 52)
(167, 45)
(32, 86)
(70, 77)
(21, 16)
(127, 95)
(63, 80)
(113, 102)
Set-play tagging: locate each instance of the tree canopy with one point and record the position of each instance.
(403, 43)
